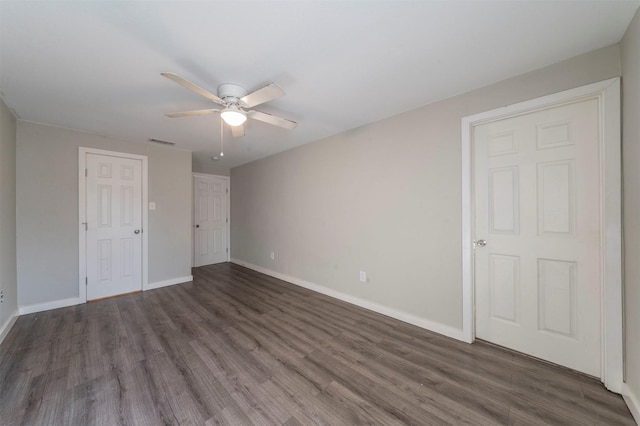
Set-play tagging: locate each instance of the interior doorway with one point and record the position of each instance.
(562, 214)
(112, 223)
(210, 219)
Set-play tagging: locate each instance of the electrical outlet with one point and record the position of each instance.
(273, 255)
(363, 277)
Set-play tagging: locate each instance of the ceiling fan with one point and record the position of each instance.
(236, 102)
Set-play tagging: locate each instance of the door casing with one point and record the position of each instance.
(82, 216)
(608, 95)
(193, 239)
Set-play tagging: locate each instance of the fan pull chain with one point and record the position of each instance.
(221, 137)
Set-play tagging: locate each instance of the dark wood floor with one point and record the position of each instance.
(237, 347)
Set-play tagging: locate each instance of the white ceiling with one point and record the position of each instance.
(95, 65)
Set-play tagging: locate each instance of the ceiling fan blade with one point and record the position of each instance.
(260, 96)
(237, 131)
(189, 113)
(194, 87)
(273, 119)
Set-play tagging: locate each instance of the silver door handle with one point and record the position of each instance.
(481, 243)
(137, 231)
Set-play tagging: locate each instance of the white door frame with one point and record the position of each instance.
(608, 95)
(82, 216)
(193, 213)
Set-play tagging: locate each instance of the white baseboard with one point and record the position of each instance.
(165, 283)
(633, 402)
(6, 327)
(372, 306)
(40, 307)
(30, 309)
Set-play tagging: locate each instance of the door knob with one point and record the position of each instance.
(137, 231)
(481, 243)
(197, 226)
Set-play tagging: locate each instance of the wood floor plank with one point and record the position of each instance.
(236, 347)
(451, 408)
(367, 410)
(174, 390)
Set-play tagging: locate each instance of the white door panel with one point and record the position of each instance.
(537, 204)
(114, 225)
(210, 197)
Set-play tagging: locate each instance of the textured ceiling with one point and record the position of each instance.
(95, 65)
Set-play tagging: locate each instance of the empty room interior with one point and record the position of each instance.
(320, 212)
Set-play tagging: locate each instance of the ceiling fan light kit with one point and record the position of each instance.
(236, 102)
(233, 116)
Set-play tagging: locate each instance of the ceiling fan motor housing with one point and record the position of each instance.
(231, 93)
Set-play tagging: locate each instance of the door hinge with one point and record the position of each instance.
(86, 173)
(227, 249)
(227, 220)
(86, 280)
(227, 189)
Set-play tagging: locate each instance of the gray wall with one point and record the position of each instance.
(47, 224)
(8, 281)
(383, 198)
(210, 169)
(630, 48)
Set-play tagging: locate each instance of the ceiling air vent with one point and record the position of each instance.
(160, 141)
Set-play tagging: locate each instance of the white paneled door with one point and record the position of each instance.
(537, 230)
(210, 219)
(114, 225)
